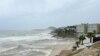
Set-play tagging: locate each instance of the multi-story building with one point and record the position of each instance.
(81, 29)
(85, 28)
(93, 28)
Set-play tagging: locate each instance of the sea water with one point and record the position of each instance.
(26, 43)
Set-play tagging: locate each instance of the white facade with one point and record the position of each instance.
(85, 28)
(93, 27)
(81, 28)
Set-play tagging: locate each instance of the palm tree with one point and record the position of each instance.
(90, 35)
(81, 39)
(77, 43)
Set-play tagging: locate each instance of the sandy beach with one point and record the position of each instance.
(63, 46)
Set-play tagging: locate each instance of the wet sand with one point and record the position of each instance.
(59, 47)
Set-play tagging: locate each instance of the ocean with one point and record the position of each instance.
(27, 43)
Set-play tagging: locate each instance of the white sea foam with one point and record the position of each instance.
(38, 45)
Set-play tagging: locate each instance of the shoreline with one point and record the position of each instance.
(59, 47)
(56, 46)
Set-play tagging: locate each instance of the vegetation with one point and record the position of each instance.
(91, 35)
(64, 32)
(81, 39)
(77, 43)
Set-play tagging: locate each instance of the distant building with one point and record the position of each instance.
(81, 29)
(93, 28)
(71, 27)
(85, 28)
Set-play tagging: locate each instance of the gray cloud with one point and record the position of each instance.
(29, 14)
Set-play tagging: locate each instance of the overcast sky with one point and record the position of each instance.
(32, 14)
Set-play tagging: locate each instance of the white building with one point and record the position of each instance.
(93, 28)
(81, 29)
(85, 28)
